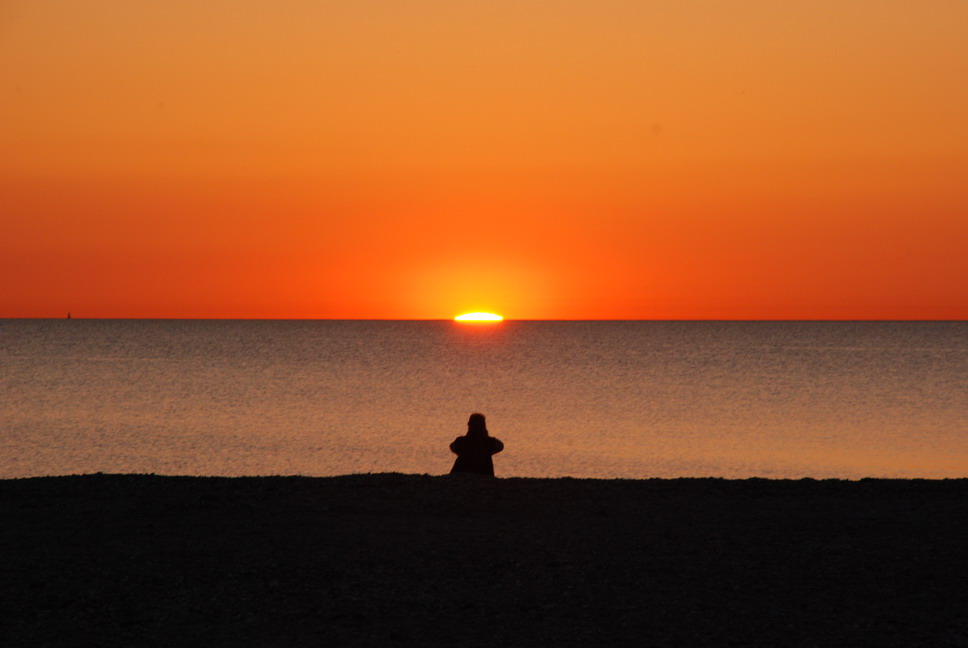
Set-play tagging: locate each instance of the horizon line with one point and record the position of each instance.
(506, 319)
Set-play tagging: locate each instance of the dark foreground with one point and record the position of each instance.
(388, 560)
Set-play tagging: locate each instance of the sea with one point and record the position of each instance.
(583, 399)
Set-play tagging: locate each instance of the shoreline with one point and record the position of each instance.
(392, 559)
(501, 478)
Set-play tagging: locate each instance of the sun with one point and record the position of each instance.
(478, 317)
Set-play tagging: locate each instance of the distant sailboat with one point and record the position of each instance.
(68, 314)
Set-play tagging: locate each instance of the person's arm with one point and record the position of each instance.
(498, 446)
(455, 446)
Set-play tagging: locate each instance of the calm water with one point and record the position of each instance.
(585, 399)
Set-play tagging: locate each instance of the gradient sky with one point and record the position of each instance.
(606, 159)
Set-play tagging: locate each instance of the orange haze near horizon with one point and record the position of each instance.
(543, 160)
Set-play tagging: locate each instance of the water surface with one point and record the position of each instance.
(585, 399)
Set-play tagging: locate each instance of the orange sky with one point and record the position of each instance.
(542, 159)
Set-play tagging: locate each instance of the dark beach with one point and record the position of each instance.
(387, 560)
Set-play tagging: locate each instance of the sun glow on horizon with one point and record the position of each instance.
(478, 317)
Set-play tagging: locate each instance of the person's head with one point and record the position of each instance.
(476, 425)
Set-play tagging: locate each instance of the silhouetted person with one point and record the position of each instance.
(475, 448)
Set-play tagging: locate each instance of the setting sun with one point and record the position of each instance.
(478, 317)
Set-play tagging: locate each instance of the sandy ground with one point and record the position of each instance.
(388, 560)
